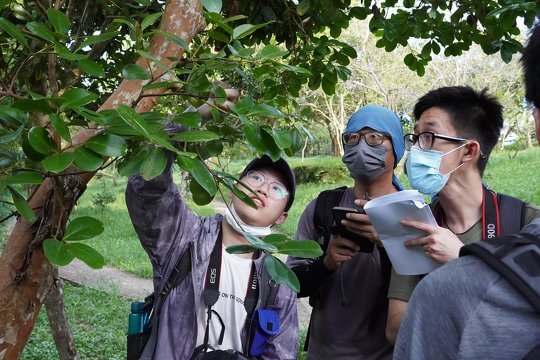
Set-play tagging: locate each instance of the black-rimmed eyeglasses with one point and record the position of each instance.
(426, 140)
(373, 138)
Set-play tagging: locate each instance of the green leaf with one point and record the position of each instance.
(244, 30)
(107, 145)
(172, 37)
(253, 136)
(303, 7)
(149, 20)
(283, 138)
(240, 249)
(63, 52)
(82, 228)
(159, 63)
(130, 165)
(59, 21)
(281, 273)
(88, 255)
(87, 160)
(28, 105)
(258, 243)
(276, 239)
(40, 30)
(300, 248)
(7, 158)
(199, 172)
(159, 85)
(11, 136)
(265, 110)
(212, 5)
(58, 252)
(96, 39)
(133, 119)
(30, 152)
(125, 22)
(39, 140)
(199, 195)
(190, 118)
(196, 136)
(135, 72)
(13, 31)
(23, 177)
(153, 164)
(295, 69)
(58, 162)
(271, 51)
(22, 205)
(91, 67)
(270, 146)
(60, 127)
(77, 97)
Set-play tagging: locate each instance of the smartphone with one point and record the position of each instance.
(340, 213)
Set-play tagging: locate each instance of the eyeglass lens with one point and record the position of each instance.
(276, 190)
(373, 138)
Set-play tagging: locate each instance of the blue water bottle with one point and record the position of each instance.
(137, 318)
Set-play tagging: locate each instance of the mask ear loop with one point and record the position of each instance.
(460, 165)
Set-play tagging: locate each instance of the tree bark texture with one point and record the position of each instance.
(58, 320)
(25, 272)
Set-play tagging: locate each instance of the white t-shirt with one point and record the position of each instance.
(234, 279)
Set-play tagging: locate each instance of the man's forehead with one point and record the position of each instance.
(435, 120)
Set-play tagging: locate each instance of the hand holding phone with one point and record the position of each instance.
(340, 213)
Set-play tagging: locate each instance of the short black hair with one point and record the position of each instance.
(474, 115)
(531, 67)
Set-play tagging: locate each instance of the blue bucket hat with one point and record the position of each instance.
(380, 119)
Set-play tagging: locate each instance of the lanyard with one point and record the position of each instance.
(491, 224)
(211, 288)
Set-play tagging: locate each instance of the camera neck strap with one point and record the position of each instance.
(491, 220)
(211, 289)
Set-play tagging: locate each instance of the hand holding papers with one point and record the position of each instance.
(385, 213)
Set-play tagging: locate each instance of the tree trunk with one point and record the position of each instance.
(58, 320)
(25, 272)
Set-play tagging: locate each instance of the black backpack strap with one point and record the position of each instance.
(322, 217)
(514, 257)
(512, 214)
(176, 277)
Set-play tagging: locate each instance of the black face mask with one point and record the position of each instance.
(365, 162)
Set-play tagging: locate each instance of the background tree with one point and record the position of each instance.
(78, 83)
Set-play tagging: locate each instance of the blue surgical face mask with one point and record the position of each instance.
(423, 170)
(365, 163)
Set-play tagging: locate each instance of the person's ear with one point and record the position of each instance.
(472, 152)
(281, 219)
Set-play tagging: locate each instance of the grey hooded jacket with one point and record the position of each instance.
(167, 228)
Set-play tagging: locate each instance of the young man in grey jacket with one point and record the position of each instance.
(168, 229)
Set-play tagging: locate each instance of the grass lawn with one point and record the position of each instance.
(98, 321)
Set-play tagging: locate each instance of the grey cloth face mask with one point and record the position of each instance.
(365, 162)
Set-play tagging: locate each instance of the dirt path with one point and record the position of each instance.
(132, 287)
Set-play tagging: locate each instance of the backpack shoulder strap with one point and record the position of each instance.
(176, 277)
(322, 217)
(512, 214)
(514, 257)
(269, 290)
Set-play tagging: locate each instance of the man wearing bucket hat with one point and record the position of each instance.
(348, 285)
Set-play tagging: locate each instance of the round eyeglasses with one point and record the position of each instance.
(276, 190)
(373, 138)
(426, 140)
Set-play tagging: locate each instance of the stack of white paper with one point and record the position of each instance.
(385, 213)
